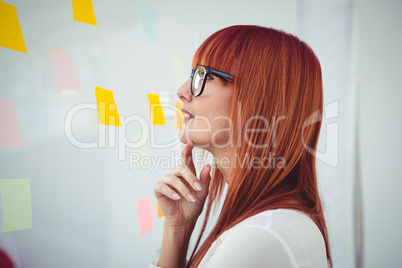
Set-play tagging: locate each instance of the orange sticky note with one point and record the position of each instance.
(10, 30)
(160, 212)
(144, 207)
(179, 114)
(107, 109)
(64, 70)
(157, 117)
(10, 132)
(83, 11)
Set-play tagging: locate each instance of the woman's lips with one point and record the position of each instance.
(188, 116)
(187, 112)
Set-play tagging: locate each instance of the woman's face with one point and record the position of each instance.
(209, 128)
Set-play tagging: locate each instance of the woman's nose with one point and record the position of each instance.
(184, 92)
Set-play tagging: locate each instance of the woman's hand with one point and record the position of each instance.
(180, 181)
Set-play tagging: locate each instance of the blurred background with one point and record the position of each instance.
(87, 205)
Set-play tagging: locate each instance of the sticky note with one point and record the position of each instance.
(10, 30)
(142, 146)
(160, 212)
(64, 70)
(179, 114)
(10, 132)
(148, 24)
(144, 207)
(94, 118)
(16, 204)
(107, 109)
(157, 117)
(49, 80)
(179, 71)
(83, 11)
(140, 153)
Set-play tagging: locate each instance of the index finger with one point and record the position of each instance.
(187, 156)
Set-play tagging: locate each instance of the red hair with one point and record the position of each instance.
(275, 74)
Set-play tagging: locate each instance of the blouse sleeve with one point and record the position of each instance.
(252, 246)
(154, 263)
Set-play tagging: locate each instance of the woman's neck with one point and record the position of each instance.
(222, 160)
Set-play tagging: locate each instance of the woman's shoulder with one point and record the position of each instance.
(273, 238)
(279, 220)
(292, 230)
(289, 224)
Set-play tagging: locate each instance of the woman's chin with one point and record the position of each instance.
(197, 141)
(182, 137)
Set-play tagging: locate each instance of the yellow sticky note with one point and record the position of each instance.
(84, 11)
(179, 114)
(16, 204)
(157, 117)
(179, 71)
(10, 31)
(160, 212)
(107, 109)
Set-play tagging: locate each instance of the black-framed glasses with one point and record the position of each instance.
(200, 74)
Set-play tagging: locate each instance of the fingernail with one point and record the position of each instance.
(176, 196)
(191, 197)
(197, 186)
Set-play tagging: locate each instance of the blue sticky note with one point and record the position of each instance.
(148, 24)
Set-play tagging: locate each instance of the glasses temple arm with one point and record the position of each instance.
(227, 77)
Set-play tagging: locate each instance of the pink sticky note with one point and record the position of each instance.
(10, 132)
(64, 70)
(144, 207)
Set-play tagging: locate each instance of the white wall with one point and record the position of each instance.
(84, 200)
(379, 68)
(327, 27)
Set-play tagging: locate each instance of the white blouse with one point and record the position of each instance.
(273, 238)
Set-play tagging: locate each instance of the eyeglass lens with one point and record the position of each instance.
(198, 78)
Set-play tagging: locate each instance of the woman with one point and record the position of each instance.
(254, 101)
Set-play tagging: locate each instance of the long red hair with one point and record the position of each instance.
(278, 77)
